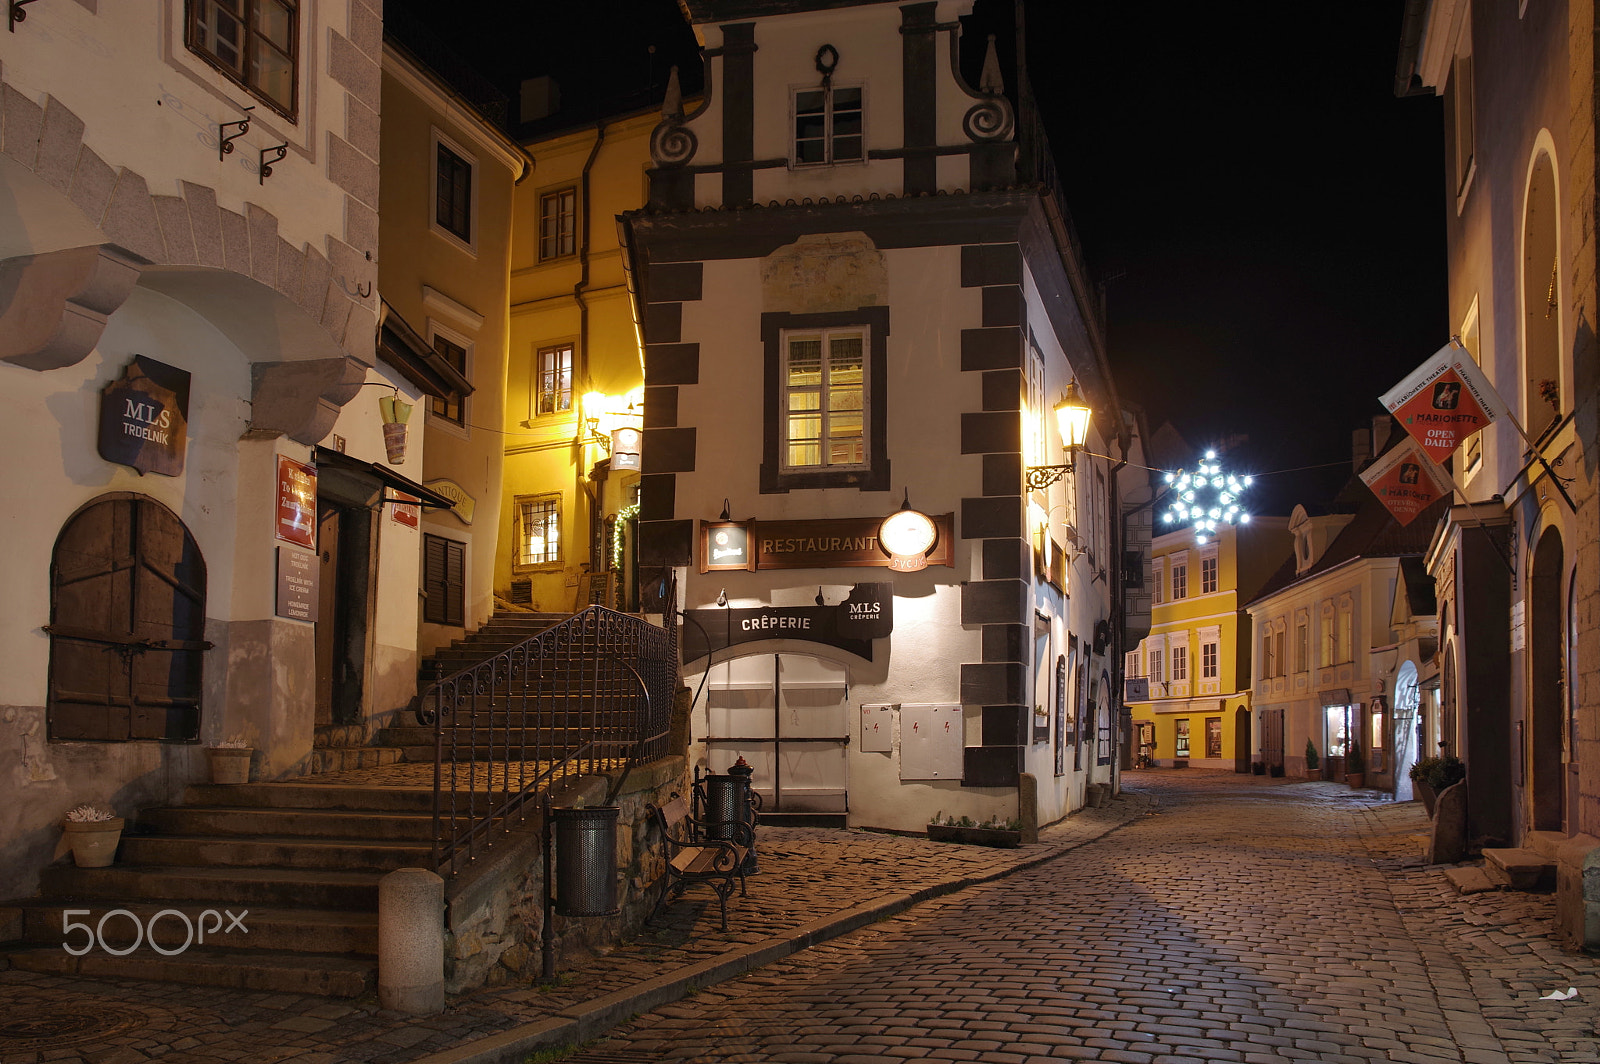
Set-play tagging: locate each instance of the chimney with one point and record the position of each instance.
(540, 98)
(1382, 425)
(1360, 448)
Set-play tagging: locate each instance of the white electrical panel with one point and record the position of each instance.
(877, 729)
(931, 740)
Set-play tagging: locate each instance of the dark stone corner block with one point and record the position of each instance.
(994, 602)
(991, 766)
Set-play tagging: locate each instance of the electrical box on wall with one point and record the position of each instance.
(931, 740)
(877, 729)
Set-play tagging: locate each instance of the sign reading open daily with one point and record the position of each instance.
(1444, 400)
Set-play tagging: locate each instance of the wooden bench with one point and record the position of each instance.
(692, 857)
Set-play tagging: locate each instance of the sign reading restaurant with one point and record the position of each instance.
(820, 544)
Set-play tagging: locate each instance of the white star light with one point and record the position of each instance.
(1206, 497)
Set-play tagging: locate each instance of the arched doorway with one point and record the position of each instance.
(1241, 740)
(1407, 730)
(1547, 702)
(1546, 394)
(127, 624)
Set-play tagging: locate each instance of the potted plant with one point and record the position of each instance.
(1313, 762)
(93, 834)
(1431, 775)
(230, 761)
(1356, 768)
(1006, 834)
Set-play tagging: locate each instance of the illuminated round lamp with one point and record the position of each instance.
(907, 535)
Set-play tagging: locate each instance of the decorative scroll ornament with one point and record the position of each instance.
(672, 143)
(992, 117)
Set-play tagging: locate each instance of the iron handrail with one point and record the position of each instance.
(591, 693)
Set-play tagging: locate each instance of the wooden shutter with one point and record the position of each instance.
(128, 589)
(444, 563)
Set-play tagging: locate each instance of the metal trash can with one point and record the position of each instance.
(729, 803)
(586, 861)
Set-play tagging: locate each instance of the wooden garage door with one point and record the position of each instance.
(127, 621)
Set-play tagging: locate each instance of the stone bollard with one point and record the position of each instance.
(411, 941)
(1028, 805)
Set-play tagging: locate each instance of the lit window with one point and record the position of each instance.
(539, 530)
(1346, 632)
(1208, 575)
(1180, 581)
(828, 126)
(253, 42)
(1180, 747)
(452, 188)
(555, 380)
(450, 407)
(824, 393)
(558, 223)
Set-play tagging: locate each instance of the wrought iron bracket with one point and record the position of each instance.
(1038, 478)
(280, 150)
(225, 139)
(17, 13)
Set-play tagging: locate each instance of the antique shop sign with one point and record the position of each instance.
(852, 625)
(464, 505)
(298, 571)
(144, 417)
(297, 503)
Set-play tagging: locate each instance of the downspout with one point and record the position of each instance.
(583, 491)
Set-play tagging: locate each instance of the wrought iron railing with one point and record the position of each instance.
(590, 694)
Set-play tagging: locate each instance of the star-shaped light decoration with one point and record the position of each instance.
(1205, 498)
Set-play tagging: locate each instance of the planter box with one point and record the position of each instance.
(94, 842)
(230, 764)
(1000, 837)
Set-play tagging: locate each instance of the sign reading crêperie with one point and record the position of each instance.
(296, 520)
(144, 417)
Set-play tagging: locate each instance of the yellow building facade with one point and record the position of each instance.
(575, 383)
(1189, 679)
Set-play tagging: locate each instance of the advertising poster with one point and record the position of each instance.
(1444, 400)
(1406, 481)
(297, 503)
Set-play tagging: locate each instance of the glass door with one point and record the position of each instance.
(786, 715)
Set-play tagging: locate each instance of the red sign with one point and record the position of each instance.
(297, 502)
(1444, 400)
(1406, 481)
(406, 511)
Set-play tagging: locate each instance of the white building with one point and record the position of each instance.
(861, 298)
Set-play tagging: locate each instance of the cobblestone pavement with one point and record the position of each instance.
(1243, 922)
(813, 883)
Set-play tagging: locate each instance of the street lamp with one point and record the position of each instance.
(1072, 416)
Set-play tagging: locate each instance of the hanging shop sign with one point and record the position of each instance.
(626, 447)
(1406, 481)
(852, 625)
(144, 417)
(297, 503)
(462, 504)
(407, 510)
(839, 543)
(1445, 400)
(298, 573)
(907, 536)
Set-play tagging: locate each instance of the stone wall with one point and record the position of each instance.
(495, 915)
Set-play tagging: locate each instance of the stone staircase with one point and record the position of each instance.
(290, 870)
(501, 631)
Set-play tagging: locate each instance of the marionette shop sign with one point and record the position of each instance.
(144, 417)
(852, 625)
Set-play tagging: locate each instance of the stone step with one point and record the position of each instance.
(1520, 869)
(1471, 879)
(342, 758)
(311, 795)
(305, 823)
(284, 930)
(281, 852)
(326, 974)
(1545, 843)
(280, 887)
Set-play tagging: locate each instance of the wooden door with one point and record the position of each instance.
(127, 624)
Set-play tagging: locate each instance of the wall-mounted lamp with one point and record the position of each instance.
(1072, 418)
(722, 597)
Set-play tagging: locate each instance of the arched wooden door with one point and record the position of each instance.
(127, 624)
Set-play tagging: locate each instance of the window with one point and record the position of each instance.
(1213, 737)
(1156, 652)
(1130, 663)
(1302, 644)
(1180, 664)
(555, 380)
(1461, 93)
(826, 375)
(1278, 655)
(450, 407)
(1208, 575)
(1329, 640)
(538, 530)
(1269, 668)
(558, 223)
(828, 125)
(253, 42)
(452, 193)
(1180, 748)
(1345, 649)
(1158, 578)
(1208, 661)
(1472, 447)
(1180, 580)
(444, 564)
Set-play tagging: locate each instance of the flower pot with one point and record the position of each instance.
(93, 842)
(230, 764)
(1001, 837)
(1356, 780)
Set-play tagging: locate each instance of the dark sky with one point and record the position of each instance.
(1266, 215)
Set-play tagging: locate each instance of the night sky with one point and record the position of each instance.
(1266, 216)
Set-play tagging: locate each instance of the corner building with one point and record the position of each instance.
(861, 297)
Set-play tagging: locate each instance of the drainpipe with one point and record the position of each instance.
(581, 486)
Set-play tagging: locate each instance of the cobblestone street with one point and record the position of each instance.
(1240, 922)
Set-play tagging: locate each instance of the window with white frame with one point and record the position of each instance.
(1036, 427)
(1302, 642)
(1269, 668)
(1180, 664)
(1472, 446)
(824, 399)
(455, 185)
(1130, 663)
(1180, 580)
(1346, 646)
(255, 43)
(456, 350)
(1463, 107)
(1208, 659)
(538, 530)
(1155, 652)
(829, 125)
(1329, 641)
(1158, 580)
(1208, 574)
(558, 223)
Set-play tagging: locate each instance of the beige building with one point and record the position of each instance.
(575, 379)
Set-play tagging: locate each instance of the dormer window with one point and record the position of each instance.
(829, 125)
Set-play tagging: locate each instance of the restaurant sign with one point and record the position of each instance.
(821, 544)
(144, 417)
(296, 516)
(852, 625)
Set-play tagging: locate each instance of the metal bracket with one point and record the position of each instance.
(1038, 478)
(266, 164)
(17, 13)
(225, 139)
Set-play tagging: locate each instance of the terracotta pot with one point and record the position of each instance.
(230, 764)
(94, 842)
(1356, 780)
